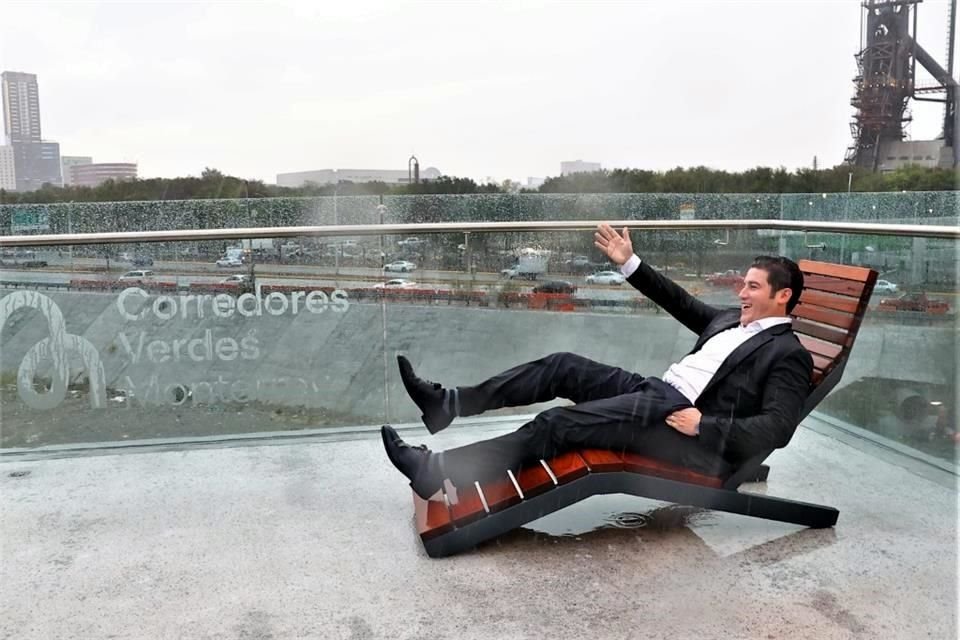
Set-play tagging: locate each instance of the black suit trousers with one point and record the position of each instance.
(613, 409)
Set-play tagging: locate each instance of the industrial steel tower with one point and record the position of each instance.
(886, 80)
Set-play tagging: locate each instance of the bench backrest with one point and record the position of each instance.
(827, 319)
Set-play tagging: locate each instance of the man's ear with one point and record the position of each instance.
(783, 296)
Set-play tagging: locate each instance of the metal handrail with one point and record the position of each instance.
(865, 228)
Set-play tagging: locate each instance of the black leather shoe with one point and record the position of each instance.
(418, 463)
(429, 396)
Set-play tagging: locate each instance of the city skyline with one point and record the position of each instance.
(260, 90)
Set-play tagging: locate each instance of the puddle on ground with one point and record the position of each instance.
(617, 512)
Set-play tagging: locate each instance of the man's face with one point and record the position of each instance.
(757, 299)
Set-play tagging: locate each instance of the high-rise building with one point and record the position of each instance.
(71, 161)
(36, 161)
(21, 107)
(8, 175)
(578, 166)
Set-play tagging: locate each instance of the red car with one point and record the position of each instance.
(728, 278)
(914, 302)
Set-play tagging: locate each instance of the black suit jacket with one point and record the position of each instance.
(754, 401)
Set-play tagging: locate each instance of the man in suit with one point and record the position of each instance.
(740, 390)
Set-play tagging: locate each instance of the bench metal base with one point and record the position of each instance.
(757, 506)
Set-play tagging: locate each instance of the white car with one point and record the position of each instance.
(229, 262)
(138, 275)
(410, 243)
(884, 288)
(237, 278)
(396, 283)
(402, 266)
(606, 277)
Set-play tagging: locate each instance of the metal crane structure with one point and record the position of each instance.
(886, 81)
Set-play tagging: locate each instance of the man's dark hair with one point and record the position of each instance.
(782, 273)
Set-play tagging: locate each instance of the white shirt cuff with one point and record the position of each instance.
(631, 265)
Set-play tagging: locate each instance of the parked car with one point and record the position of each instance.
(141, 261)
(914, 302)
(555, 286)
(884, 287)
(396, 283)
(229, 262)
(410, 243)
(137, 275)
(606, 277)
(402, 266)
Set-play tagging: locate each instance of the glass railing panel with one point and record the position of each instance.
(213, 338)
(901, 381)
(914, 207)
(81, 217)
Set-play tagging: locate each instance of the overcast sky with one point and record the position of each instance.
(476, 89)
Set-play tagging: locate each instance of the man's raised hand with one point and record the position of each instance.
(615, 246)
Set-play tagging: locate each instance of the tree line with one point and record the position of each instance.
(214, 184)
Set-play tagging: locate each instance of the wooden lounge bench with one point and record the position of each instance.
(827, 319)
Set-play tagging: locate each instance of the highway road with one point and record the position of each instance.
(61, 270)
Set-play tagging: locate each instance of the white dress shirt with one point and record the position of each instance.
(691, 375)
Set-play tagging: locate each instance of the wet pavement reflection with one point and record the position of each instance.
(608, 512)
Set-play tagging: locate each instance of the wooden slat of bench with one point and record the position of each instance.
(568, 466)
(432, 517)
(500, 494)
(468, 507)
(819, 347)
(837, 303)
(825, 316)
(534, 480)
(821, 363)
(828, 334)
(648, 466)
(849, 288)
(847, 272)
(602, 460)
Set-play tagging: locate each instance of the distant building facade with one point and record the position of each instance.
(578, 166)
(535, 183)
(36, 162)
(924, 153)
(8, 174)
(96, 173)
(334, 176)
(71, 161)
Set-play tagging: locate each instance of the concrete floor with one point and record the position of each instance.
(314, 539)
